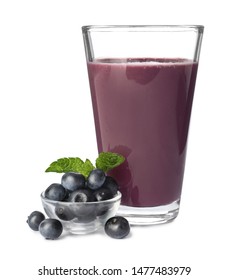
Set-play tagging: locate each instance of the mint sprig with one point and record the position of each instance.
(71, 164)
(85, 168)
(105, 161)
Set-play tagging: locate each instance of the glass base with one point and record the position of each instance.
(150, 215)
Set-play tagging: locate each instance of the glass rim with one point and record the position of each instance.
(142, 28)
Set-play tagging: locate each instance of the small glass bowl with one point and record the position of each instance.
(81, 217)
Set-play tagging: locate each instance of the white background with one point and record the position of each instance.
(45, 113)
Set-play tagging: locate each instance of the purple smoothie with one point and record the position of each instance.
(142, 110)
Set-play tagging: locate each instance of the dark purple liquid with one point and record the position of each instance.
(142, 110)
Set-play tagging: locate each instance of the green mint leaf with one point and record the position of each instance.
(108, 160)
(71, 164)
(86, 168)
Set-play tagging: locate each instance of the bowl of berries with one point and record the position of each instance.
(85, 200)
(82, 204)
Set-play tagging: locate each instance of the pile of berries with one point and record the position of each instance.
(75, 187)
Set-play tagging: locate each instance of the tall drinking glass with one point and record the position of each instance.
(142, 81)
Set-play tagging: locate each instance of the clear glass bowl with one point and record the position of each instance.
(81, 217)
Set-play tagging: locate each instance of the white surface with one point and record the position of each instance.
(45, 113)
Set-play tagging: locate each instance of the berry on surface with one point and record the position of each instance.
(50, 228)
(117, 227)
(34, 220)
